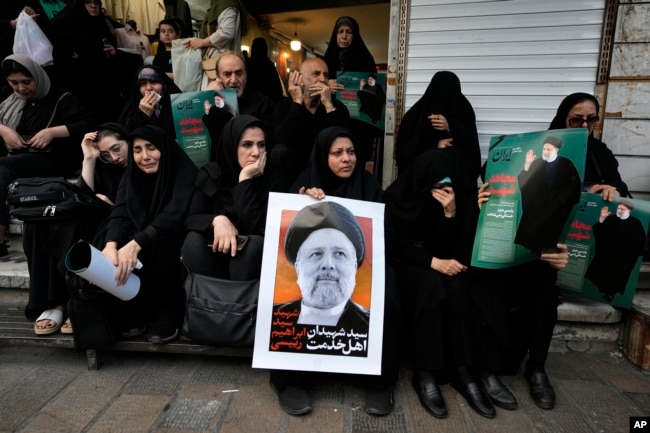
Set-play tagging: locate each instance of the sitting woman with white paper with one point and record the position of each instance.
(146, 225)
(45, 243)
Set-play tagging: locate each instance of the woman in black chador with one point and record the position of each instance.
(150, 100)
(442, 109)
(146, 224)
(230, 199)
(434, 226)
(87, 61)
(262, 73)
(346, 52)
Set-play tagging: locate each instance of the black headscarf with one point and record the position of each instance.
(359, 186)
(132, 116)
(355, 58)
(409, 196)
(74, 29)
(218, 183)
(262, 73)
(601, 166)
(227, 148)
(149, 196)
(416, 135)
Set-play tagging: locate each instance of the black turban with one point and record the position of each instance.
(323, 215)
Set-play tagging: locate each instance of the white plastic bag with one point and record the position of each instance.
(31, 41)
(186, 66)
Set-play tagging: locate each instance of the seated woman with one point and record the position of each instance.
(38, 124)
(513, 323)
(230, 199)
(432, 254)
(150, 101)
(334, 170)
(45, 244)
(580, 110)
(443, 109)
(145, 225)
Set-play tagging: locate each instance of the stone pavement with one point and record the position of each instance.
(50, 390)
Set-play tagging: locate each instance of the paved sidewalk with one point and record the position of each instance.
(50, 390)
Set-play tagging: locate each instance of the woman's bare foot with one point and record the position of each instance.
(50, 321)
(67, 327)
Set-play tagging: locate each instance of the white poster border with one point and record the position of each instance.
(263, 357)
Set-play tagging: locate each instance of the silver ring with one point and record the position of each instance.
(132, 269)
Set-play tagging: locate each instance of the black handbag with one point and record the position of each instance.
(220, 312)
(38, 199)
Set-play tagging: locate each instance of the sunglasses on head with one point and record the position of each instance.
(576, 122)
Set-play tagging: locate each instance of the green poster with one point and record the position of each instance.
(535, 181)
(605, 242)
(188, 110)
(364, 96)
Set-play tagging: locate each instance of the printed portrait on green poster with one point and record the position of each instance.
(605, 241)
(535, 181)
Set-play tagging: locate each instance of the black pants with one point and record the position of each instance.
(517, 308)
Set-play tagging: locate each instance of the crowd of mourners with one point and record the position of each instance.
(102, 116)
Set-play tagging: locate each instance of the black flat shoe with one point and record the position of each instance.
(379, 402)
(165, 329)
(497, 391)
(467, 386)
(429, 393)
(541, 390)
(294, 400)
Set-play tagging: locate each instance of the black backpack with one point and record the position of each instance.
(39, 199)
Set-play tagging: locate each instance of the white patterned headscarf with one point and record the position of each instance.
(11, 109)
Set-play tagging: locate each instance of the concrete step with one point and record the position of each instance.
(583, 324)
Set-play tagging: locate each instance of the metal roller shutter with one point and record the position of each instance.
(516, 59)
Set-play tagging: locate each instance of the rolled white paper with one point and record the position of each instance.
(91, 264)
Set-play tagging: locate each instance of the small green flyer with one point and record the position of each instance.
(188, 110)
(364, 96)
(606, 242)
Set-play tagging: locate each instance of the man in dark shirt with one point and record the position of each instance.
(309, 109)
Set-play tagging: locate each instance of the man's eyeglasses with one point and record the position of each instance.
(576, 122)
(107, 155)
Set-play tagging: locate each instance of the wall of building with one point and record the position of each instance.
(626, 125)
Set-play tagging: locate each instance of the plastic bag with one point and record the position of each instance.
(186, 65)
(31, 41)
